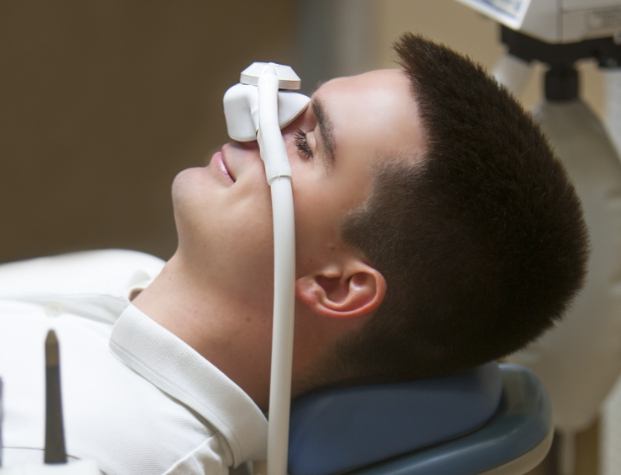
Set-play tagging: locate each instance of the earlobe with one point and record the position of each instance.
(355, 292)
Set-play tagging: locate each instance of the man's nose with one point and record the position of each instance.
(251, 146)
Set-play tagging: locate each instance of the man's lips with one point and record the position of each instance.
(219, 162)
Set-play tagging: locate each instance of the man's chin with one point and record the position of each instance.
(189, 194)
(188, 182)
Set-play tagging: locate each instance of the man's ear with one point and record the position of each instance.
(352, 290)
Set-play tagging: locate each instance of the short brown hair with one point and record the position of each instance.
(482, 243)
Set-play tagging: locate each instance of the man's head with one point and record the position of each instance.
(482, 242)
(434, 228)
(223, 211)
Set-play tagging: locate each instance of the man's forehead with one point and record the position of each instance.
(358, 86)
(381, 99)
(367, 77)
(380, 87)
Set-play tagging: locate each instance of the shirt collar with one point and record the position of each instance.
(173, 366)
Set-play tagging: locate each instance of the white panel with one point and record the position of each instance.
(596, 23)
(509, 13)
(612, 81)
(586, 4)
(553, 21)
(541, 20)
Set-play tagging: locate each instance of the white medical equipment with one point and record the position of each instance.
(253, 113)
(579, 360)
(561, 21)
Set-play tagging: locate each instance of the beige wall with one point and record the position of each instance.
(101, 103)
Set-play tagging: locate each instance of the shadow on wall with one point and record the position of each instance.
(102, 103)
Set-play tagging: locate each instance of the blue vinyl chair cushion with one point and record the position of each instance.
(338, 430)
(521, 426)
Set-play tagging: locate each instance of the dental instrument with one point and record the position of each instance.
(54, 429)
(55, 456)
(253, 111)
(558, 34)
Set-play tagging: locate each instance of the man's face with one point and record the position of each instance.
(223, 211)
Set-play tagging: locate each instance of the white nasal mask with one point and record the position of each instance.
(241, 102)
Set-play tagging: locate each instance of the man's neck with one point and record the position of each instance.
(222, 328)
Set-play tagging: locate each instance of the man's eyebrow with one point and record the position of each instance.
(325, 128)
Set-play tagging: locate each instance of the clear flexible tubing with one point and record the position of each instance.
(278, 172)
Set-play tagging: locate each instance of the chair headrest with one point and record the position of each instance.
(341, 429)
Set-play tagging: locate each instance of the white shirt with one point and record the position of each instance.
(136, 399)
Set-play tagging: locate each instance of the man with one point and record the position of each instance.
(435, 231)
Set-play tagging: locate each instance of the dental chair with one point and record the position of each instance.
(494, 419)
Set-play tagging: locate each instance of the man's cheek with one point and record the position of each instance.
(251, 222)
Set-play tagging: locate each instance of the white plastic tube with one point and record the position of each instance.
(278, 172)
(283, 325)
(610, 433)
(612, 82)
